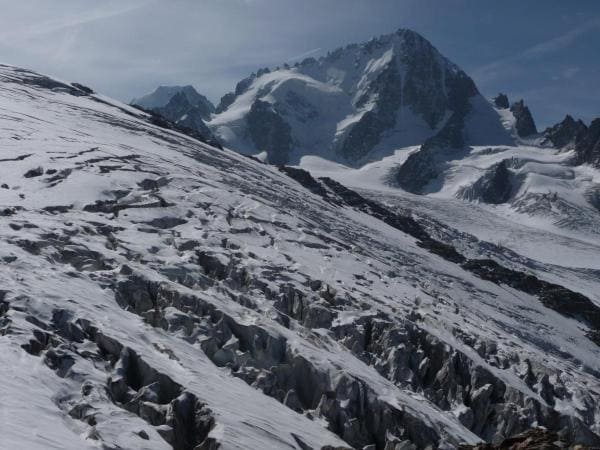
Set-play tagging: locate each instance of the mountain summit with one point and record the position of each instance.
(163, 95)
(356, 103)
(183, 106)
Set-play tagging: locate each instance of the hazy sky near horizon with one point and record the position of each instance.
(546, 51)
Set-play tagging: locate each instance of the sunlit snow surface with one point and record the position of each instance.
(246, 213)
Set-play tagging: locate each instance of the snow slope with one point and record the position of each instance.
(161, 293)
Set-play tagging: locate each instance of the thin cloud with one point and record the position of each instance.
(305, 54)
(496, 69)
(51, 26)
(563, 41)
(570, 72)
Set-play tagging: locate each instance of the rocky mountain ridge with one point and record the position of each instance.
(182, 106)
(587, 145)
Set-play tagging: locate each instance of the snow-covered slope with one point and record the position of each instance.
(161, 293)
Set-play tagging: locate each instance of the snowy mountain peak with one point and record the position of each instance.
(355, 104)
(182, 106)
(164, 94)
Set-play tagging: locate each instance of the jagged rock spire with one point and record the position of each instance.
(501, 101)
(525, 124)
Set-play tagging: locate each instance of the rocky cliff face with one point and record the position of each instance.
(587, 148)
(386, 92)
(536, 439)
(392, 91)
(501, 101)
(524, 124)
(425, 165)
(176, 108)
(269, 132)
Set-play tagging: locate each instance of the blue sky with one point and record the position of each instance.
(545, 51)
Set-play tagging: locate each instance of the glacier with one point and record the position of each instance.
(159, 292)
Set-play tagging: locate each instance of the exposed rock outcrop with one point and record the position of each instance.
(192, 120)
(524, 124)
(269, 131)
(587, 149)
(494, 187)
(535, 439)
(425, 165)
(501, 101)
(182, 108)
(385, 92)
